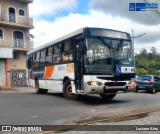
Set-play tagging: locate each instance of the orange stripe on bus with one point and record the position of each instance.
(48, 72)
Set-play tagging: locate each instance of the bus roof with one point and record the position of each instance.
(57, 40)
(66, 37)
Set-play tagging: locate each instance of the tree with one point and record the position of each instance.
(154, 52)
(140, 71)
(148, 63)
(144, 53)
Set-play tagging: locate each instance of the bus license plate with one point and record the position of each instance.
(131, 87)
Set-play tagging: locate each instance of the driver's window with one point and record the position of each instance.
(67, 52)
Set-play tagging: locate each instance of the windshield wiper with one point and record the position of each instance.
(120, 45)
(103, 42)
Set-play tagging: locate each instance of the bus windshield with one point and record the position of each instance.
(103, 54)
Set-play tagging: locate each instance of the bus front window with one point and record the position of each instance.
(123, 54)
(102, 54)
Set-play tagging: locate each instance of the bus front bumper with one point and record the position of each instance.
(107, 89)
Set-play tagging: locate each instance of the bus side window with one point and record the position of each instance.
(42, 57)
(34, 57)
(49, 53)
(29, 61)
(36, 61)
(67, 53)
(32, 63)
(57, 54)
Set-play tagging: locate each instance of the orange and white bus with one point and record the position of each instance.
(86, 61)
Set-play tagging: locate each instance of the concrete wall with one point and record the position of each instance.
(22, 24)
(18, 63)
(7, 41)
(16, 5)
(2, 73)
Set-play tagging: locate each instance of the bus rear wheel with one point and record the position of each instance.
(39, 90)
(107, 96)
(67, 91)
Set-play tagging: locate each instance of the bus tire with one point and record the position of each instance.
(67, 91)
(45, 91)
(38, 90)
(108, 96)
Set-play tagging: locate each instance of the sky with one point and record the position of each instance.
(55, 18)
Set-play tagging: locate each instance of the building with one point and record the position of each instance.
(15, 41)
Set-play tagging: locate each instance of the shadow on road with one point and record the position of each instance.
(147, 92)
(96, 100)
(88, 99)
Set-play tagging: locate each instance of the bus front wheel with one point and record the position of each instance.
(107, 96)
(67, 91)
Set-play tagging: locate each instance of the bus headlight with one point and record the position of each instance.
(94, 83)
(131, 83)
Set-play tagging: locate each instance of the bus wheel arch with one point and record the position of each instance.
(66, 78)
(38, 89)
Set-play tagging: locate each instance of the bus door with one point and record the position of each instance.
(79, 63)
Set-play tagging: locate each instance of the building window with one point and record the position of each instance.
(12, 15)
(18, 39)
(15, 55)
(1, 34)
(21, 12)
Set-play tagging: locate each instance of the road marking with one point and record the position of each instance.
(97, 121)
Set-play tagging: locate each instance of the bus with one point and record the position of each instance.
(87, 61)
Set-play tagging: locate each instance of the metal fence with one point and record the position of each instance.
(15, 18)
(16, 43)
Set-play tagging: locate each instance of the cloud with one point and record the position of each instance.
(102, 13)
(146, 46)
(46, 31)
(121, 8)
(152, 33)
(149, 37)
(50, 7)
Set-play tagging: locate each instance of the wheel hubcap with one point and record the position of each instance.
(69, 90)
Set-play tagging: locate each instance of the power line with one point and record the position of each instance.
(156, 11)
(149, 17)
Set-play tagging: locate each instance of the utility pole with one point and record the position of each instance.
(133, 37)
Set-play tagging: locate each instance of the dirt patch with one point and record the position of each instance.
(8, 89)
(84, 122)
(113, 119)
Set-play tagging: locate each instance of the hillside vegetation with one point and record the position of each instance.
(148, 62)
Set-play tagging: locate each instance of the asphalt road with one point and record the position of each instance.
(24, 107)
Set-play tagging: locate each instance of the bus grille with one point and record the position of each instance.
(115, 83)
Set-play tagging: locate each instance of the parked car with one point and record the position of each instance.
(150, 83)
